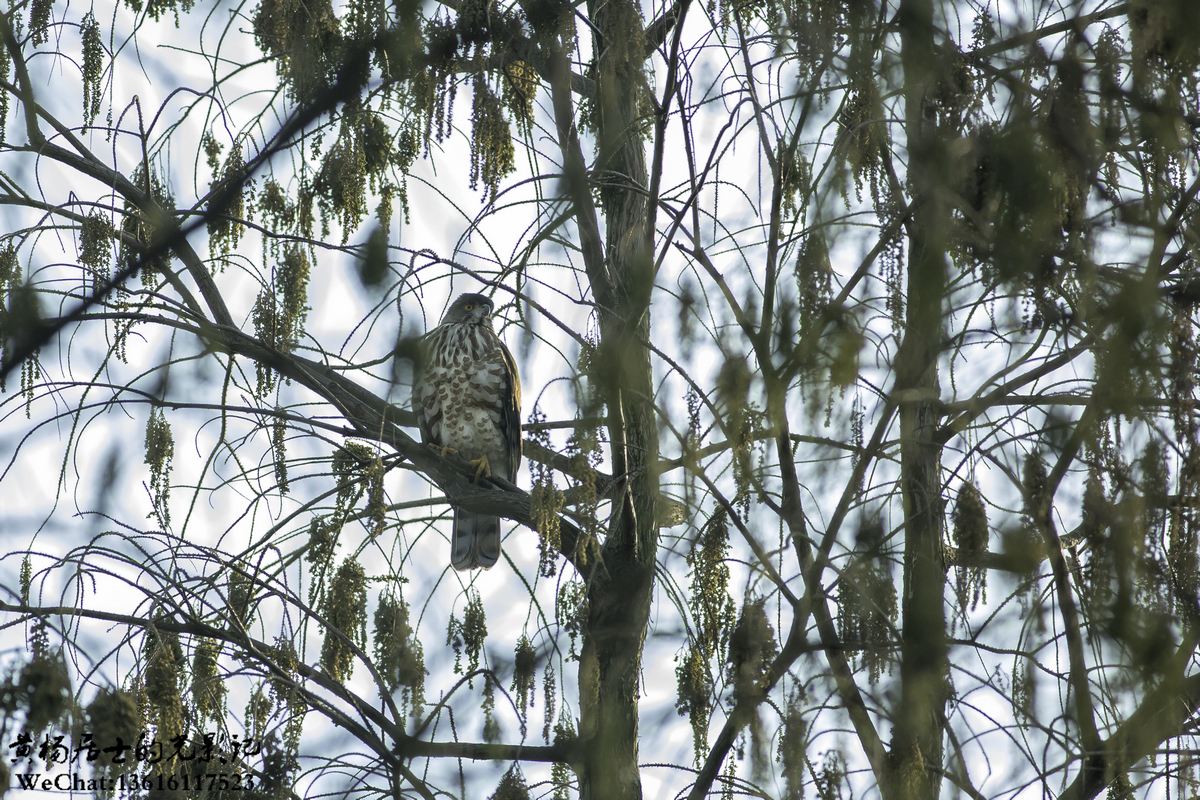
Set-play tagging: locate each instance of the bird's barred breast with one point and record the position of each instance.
(461, 399)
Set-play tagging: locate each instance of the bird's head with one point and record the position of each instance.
(475, 309)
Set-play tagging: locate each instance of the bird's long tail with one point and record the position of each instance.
(476, 540)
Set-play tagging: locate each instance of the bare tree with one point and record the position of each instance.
(857, 341)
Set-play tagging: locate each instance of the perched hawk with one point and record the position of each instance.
(468, 400)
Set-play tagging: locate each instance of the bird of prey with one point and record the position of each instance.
(467, 398)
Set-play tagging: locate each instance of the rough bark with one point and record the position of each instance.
(620, 587)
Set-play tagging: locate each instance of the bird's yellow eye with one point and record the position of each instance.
(469, 306)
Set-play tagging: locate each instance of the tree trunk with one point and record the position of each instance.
(917, 746)
(620, 590)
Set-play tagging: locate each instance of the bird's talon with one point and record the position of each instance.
(443, 450)
(482, 467)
